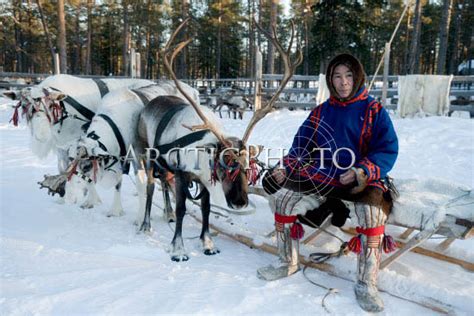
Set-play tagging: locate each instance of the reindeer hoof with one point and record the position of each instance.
(115, 213)
(145, 228)
(179, 258)
(211, 252)
(87, 205)
(170, 217)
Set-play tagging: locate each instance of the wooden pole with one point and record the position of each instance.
(258, 80)
(56, 64)
(138, 65)
(386, 66)
(133, 64)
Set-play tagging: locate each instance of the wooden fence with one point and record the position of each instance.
(461, 93)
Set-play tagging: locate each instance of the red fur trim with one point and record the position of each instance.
(362, 96)
(373, 169)
(315, 119)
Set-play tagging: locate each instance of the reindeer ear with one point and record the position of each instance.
(209, 148)
(57, 96)
(12, 95)
(54, 94)
(81, 152)
(255, 150)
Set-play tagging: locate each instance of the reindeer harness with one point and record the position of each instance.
(161, 166)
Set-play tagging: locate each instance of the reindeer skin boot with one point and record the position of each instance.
(371, 220)
(286, 205)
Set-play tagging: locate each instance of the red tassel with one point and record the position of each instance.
(252, 172)
(355, 245)
(72, 171)
(95, 166)
(296, 231)
(16, 116)
(214, 174)
(388, 244)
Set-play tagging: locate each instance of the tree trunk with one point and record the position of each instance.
(46, 33)
(76, 58)
(406, 51)
(454, 60)
(251, 48)
(147, 68)
(271, 49)
(306, 47)
(62, 45)
(219, 43)
(183, 56)
(443, 36)
(89, 37)
(414, 59)
(17, 66)
(126, 41)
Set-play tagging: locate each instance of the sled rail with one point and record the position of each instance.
(451, 227)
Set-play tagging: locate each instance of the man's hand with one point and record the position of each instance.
(348, 177)
(279, 175)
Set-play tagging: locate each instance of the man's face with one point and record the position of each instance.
(343, 81)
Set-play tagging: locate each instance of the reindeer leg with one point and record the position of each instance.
(141, 190)
(207, 243)
(150, 188)
(116, 209)
(169, 214)
(93, 198)
(178, 252)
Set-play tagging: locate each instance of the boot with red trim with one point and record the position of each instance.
(287, 205)
(372, 220)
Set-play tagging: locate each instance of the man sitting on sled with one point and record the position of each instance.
(342, 151)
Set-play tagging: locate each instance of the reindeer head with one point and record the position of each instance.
(41, 108)
(231, 170)
(230, 167)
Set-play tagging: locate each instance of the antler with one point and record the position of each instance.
(169, 54)
(290, 67)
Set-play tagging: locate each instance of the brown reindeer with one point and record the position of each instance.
(173, 127)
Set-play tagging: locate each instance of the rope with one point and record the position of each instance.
(390, 43)
(330, 290)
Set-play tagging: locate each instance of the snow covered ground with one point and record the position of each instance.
(60, 260)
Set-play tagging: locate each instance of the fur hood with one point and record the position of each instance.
(357, 70)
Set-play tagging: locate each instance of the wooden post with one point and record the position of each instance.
(138, 65)
(133, 65)
(385, 73)
(258, 80)
(56, 64)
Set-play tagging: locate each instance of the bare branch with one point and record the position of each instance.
(169, 54)
(290, 68)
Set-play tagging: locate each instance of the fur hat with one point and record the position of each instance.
(357, 71)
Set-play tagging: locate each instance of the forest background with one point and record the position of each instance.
(95, 37)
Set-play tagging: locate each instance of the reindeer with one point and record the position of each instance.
(236, 104)
(220, 164)
(111, 141)
(59, 107)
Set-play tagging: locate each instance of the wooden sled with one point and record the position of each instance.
(452, 227)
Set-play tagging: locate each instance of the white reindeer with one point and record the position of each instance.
(58, 108)
(101, 152)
